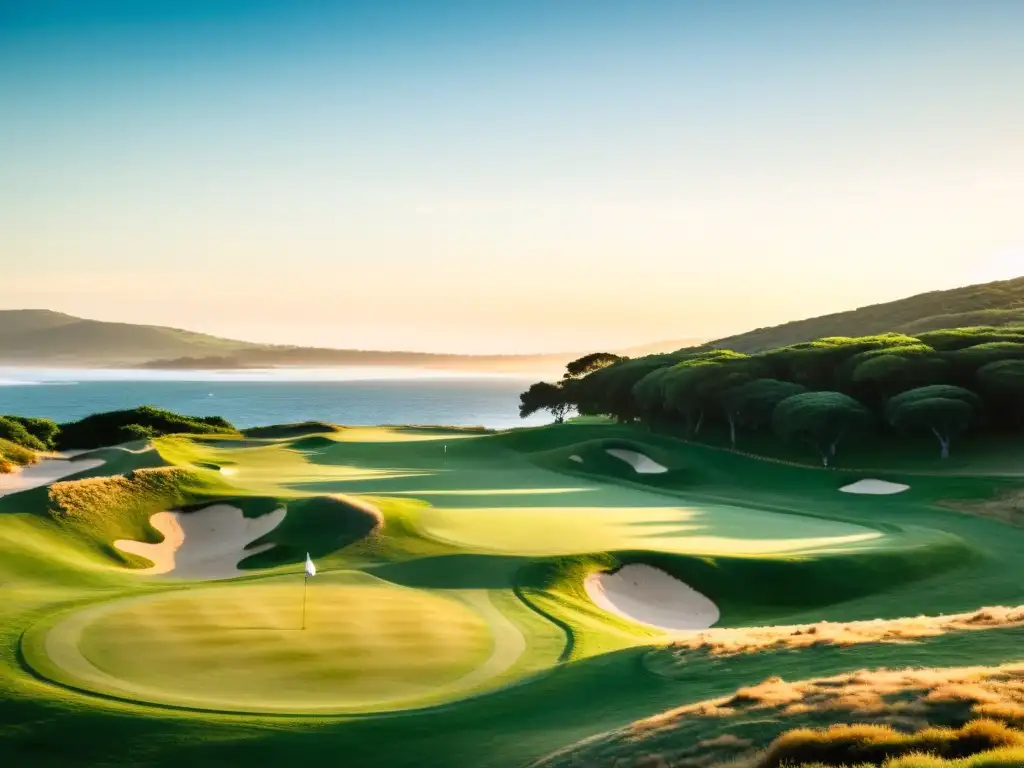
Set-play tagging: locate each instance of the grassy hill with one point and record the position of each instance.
(996, 304)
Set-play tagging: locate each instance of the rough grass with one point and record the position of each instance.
(842, 745)
(902, 700)
(13, 455)
(103, 509)
(732, 642)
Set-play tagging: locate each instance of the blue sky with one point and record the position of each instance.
(495, 176)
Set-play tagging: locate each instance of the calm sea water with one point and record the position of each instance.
(254, 398)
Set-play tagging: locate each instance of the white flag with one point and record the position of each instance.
(310, 568)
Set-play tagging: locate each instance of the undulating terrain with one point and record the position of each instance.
(581, 594)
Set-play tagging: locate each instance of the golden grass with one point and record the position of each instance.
(875, 744)
(13, 455)
(158, 488)
(732, 642)
(905, 700)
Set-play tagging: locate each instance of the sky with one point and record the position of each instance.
(503, 176)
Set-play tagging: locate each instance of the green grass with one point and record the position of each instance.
(367, 645)
(462, 605)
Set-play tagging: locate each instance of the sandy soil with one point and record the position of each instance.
(644, 465)
(875, 487)
(207, 544)
(45, 472)
(647, 595)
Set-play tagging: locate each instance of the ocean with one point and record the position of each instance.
(358, 396)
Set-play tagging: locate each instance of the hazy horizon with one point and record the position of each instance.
(503, 178)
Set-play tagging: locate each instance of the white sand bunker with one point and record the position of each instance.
(577, 459)
(875, 487)
(207, 544)
(45, 472)
(644, 465)
(647, 595)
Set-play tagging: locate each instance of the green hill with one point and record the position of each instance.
(994, 304)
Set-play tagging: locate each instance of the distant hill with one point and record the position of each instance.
(33, 336)
(995, 304)
(41, 337)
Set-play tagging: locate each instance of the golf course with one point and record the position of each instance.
(481, 598)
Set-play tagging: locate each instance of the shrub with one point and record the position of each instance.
(103, 429)
(44, 430)
(15, 432)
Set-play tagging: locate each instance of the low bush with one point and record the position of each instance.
(113, 427)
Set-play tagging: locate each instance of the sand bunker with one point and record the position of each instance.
(577, 459)
(207, 544)
(644, 465)
(647, 595)
(875, 487)
(45, 472)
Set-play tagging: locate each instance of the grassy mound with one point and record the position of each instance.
(779, 723)
(280, 431)
(115, 427)
(320, 526)
(13, 455)
(103, 509)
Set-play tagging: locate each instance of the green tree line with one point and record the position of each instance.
(819, 394)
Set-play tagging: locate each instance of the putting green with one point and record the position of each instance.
(714, 530)
(368, 646)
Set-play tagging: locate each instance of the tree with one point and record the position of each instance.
(649, 396)
(751, 405)
(695, 386)
(942, 409)
(544, 396)
(590, 363)
(880, 374)
(820, 419)
(1003, 385)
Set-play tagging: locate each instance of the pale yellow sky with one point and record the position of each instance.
(492, 184)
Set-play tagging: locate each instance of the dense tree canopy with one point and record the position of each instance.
(940, 383)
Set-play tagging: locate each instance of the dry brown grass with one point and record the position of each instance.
(906, 700)
(731, 642)
(1006, 507)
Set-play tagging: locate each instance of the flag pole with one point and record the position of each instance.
(305, 581)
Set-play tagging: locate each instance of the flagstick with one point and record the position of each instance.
(305, 581)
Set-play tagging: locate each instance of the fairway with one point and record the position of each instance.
(483, 584)
(367, 645)
(709, 531)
